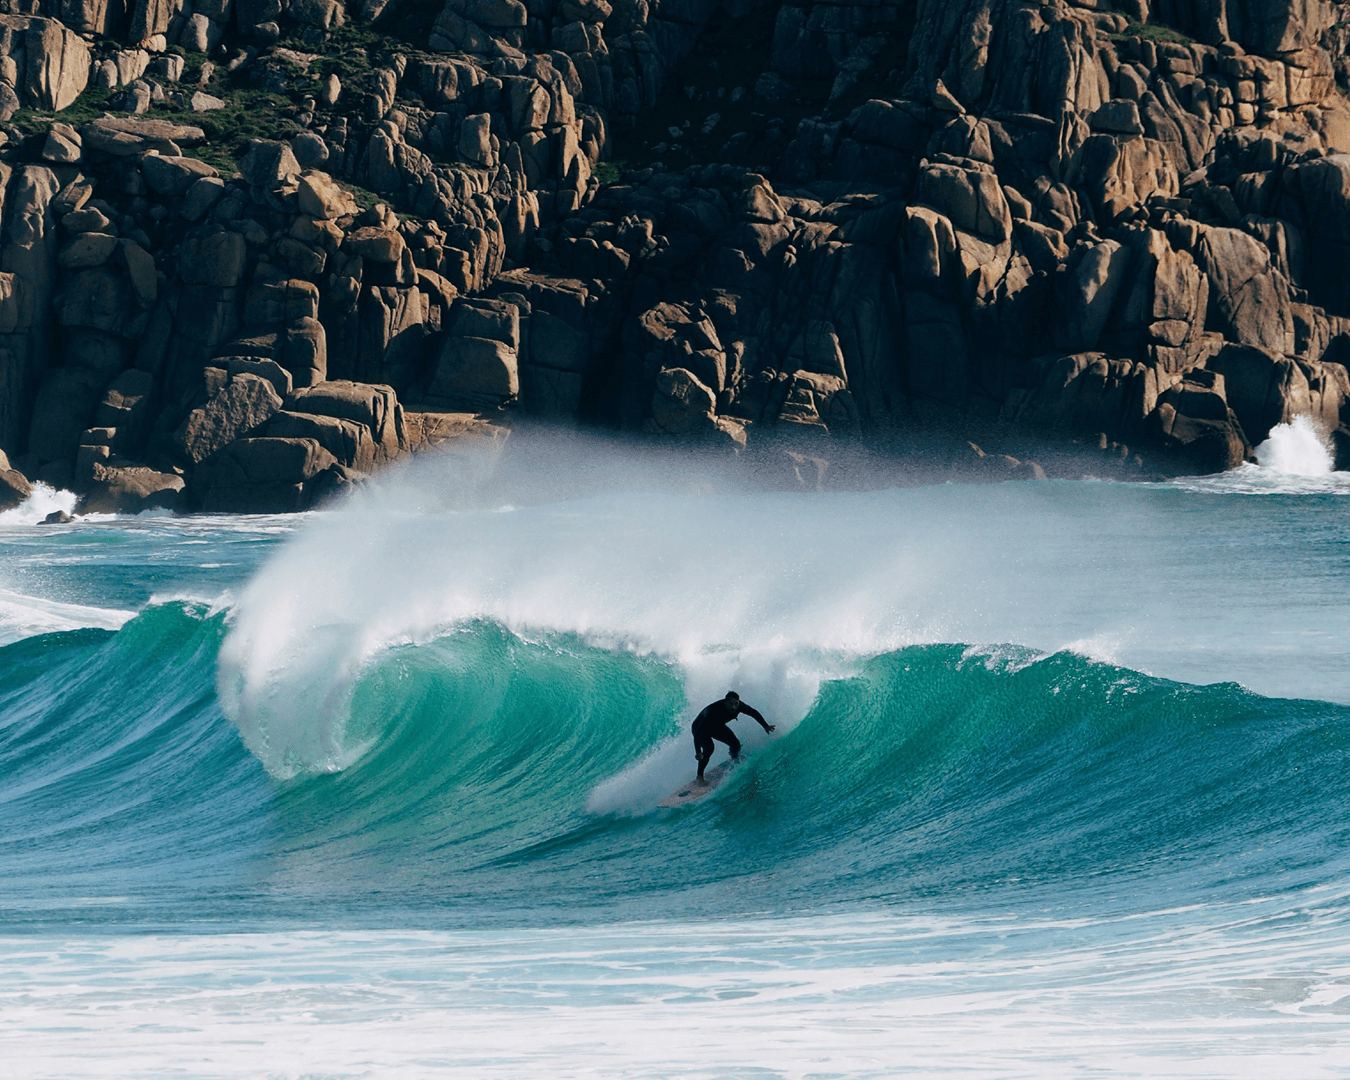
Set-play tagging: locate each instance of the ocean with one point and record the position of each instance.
(1060, 785)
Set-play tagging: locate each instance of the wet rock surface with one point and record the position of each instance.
(974, 226)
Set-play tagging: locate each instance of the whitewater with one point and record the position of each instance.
(1059, 786)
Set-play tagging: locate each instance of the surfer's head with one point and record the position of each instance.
(733, 698)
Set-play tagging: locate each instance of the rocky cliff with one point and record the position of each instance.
(251, 250)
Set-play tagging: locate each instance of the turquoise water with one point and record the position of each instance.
(1060, 783)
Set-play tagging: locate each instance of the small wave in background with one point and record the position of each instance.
(1296, 449)
(44, 500)
(28, 616)
(1295, 459)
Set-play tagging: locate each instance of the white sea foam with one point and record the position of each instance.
(1230, 992)
(1295, 459)
(1248, 479)
(27, 616)
(1296, 449)
(43, 501)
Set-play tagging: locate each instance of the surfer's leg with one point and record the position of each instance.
(703, 751)
(726, 735)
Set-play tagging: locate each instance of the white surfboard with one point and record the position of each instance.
(693, 791)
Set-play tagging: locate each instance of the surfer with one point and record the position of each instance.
(712, 723)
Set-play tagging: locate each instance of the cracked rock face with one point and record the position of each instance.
(1127, 228)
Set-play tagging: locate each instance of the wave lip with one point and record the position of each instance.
(678, 580)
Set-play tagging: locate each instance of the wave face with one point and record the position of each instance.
(931, 771)
(120, 781)
(463, 707)
(506, 778)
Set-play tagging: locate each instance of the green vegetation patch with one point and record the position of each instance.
(610, 172)
(261, 99)
(92, 104)
(365, 198)
(249, 113)
(1150, 32)
(351, 53)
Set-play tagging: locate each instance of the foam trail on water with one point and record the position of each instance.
(1229, 992)
(26, 616)
(23, 616)
(1297, 449)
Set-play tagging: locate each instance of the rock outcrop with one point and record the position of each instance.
(14, 486)
(979, 218)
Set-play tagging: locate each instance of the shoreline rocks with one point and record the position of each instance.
(836, 220)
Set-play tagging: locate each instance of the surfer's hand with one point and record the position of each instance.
(770, 727)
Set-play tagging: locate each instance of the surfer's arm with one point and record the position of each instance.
(755, 713)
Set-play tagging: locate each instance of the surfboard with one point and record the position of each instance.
(693, 790)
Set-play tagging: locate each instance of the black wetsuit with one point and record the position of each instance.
(712, 723)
